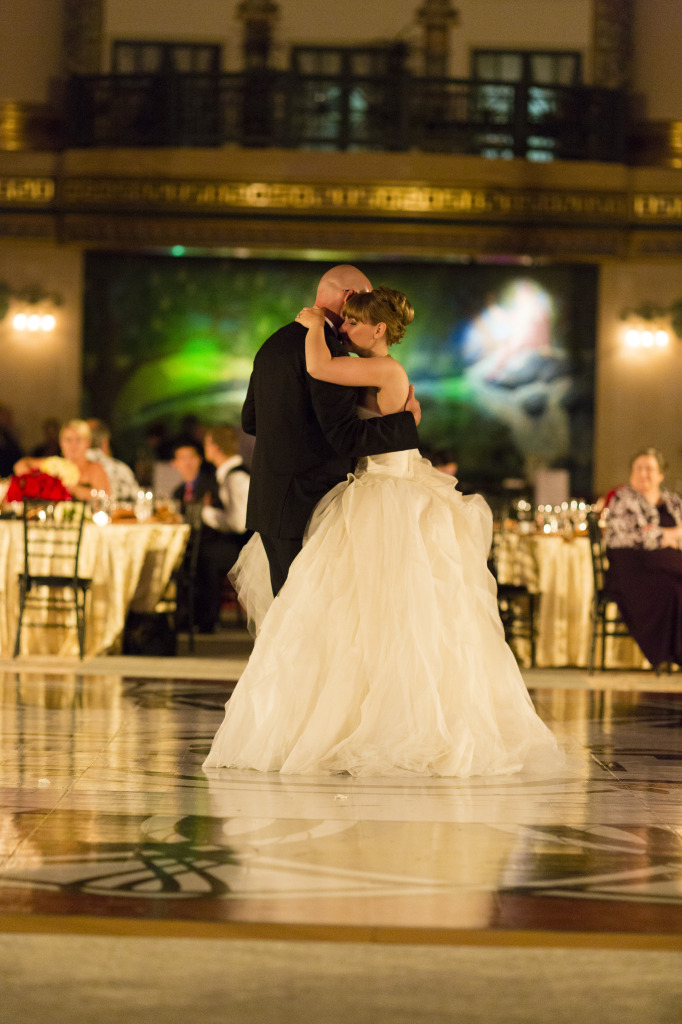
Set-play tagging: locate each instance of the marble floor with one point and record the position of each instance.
(108, 825)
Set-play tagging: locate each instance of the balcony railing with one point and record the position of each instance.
(495, 119)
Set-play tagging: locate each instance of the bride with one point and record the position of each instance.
(383, 653)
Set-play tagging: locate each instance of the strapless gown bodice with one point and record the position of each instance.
(397, 463)
(390, 462)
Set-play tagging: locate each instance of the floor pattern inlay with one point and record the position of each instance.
(105, 811)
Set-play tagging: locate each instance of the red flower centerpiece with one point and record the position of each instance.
(35, 484)
(49, 480)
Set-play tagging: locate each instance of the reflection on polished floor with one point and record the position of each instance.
(108, 824)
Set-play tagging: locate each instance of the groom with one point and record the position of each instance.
(308, 434)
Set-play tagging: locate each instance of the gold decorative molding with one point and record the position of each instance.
(661, 206)
(409, 218)
(27, 126)
(335, 199)
(118, 195)
(20, 191)
(657, 144)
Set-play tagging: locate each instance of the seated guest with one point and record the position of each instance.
(74, 441)
(124, 486)
(224, 530)
(197, 479)
(644, 539)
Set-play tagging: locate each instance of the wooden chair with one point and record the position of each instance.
(606, 617)
(50, 581)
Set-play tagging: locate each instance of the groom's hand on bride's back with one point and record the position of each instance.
(413, 406)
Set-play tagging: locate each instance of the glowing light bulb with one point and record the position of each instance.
(647, 339)
(33, 322)
(632, 338)
(662, 338)
(47, 322)
(20, 321)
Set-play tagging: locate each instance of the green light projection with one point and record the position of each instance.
(501, 356)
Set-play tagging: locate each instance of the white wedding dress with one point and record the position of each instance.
(383, 654)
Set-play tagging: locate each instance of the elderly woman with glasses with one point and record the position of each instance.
(644, 542)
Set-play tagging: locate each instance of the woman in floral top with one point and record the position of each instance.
(644, 541)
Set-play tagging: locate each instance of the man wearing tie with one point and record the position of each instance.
(198, 478)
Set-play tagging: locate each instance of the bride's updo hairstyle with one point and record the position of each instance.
(382, 306)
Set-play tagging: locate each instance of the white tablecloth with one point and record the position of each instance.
(130, 565)
(560, 571)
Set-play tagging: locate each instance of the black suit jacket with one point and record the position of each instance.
(308, 434)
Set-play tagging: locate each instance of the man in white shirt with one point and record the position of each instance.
(224, 531)
(124, 486)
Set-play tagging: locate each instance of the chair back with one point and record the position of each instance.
(192, 517)
(599, 560)
(52, 538)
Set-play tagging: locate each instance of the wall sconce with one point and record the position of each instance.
(648, 337)
(38, 305)
(652, 327)
(34, 322)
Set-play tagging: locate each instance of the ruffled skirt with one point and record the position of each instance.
(384, 653)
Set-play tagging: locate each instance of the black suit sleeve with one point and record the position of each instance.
(249, 411)
(350, 437)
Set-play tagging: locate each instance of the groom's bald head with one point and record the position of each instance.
(337, 284)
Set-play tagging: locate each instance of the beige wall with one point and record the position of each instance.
(30, 49)
(41, 373)
(639, 393)
(658, 34)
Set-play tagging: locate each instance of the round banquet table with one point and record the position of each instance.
(560, 572)
(130, 565)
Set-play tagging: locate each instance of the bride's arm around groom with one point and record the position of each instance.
(308, 434)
